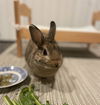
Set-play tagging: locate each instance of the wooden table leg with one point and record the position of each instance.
(19, 44)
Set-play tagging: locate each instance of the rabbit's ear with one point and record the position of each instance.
(36, 35)
(52, 31)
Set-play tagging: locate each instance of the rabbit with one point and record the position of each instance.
(43, 55)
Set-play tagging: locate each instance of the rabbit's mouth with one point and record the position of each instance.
(49, 65)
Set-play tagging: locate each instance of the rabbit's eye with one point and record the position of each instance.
(45, 52)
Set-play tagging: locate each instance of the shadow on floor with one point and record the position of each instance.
(77, 52)
(66, 51)
(4, 45)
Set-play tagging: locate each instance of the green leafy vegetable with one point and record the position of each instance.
(47, 103)
(7, 100)
(26, 97)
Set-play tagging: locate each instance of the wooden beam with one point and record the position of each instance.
(70, 36)
(83, 37)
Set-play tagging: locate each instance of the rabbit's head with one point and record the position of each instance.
(47, 53)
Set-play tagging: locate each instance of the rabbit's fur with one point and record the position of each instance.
(43, 55)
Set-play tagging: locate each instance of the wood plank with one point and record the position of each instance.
(96, 17)
(24, 10)
(70, 36)
(83, 37)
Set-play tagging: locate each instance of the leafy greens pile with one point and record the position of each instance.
(26, 97)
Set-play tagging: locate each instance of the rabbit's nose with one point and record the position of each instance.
(56, 65)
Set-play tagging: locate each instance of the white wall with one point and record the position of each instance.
(66, 13)
(7, 31)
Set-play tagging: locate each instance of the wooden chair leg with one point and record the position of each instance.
(19, 44)
(88, 46)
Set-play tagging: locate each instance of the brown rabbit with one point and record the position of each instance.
(43, 55)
